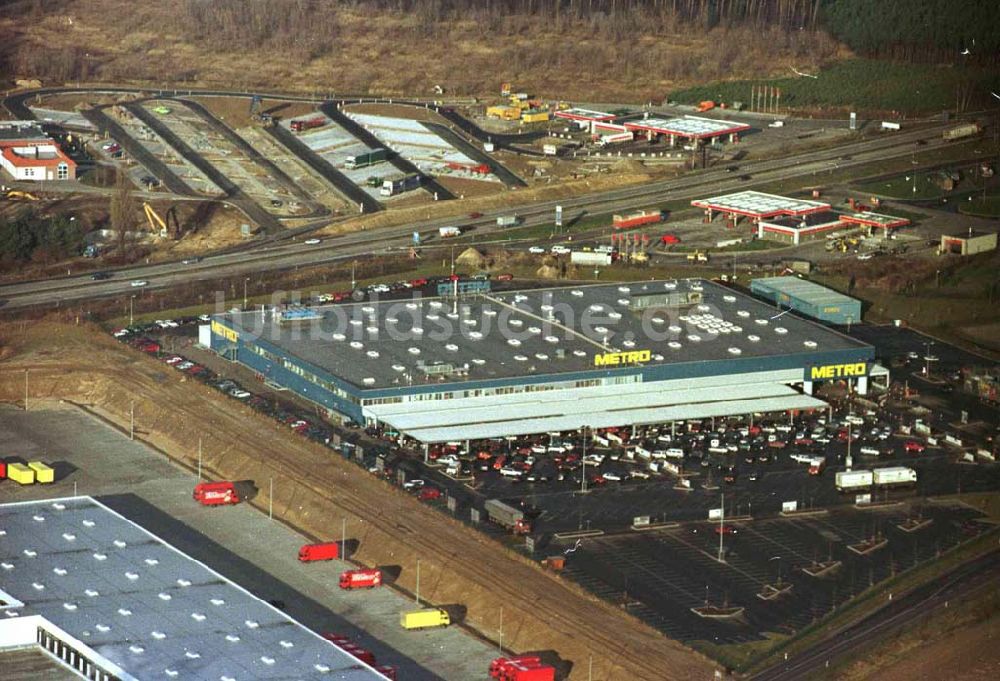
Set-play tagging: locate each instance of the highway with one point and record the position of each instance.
(288, 255)
(980, 574)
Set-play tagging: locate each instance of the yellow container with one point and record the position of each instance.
(20, 473)
(43, 474)
(421, 619)
(535, 117)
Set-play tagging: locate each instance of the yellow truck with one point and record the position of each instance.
(423, 619)
(535, 116)
(43, 473)
(20, 474)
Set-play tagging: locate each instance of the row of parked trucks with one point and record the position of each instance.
(892, 476)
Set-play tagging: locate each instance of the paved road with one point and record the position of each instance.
(476, 154)
(901, 611)
(501, 140)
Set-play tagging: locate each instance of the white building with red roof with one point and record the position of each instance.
(26, 153)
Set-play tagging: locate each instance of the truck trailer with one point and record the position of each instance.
(43, 473)
(847, 481)
(399, 184)
(302, 125)
(423, 619)
(507, 516)
(958, 132)
(325, 551)
(521, 668)
(369, 158)
(366, 578)
(590, 258)
(893, 476)
(448, 232)
(20, 474)
(216, 493)
(640, 217)
(508, 221)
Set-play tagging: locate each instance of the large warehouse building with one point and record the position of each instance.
(116, 603)
(546, 360)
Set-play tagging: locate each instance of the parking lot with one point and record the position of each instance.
(91, 458)
(659, 576)
(667, 479)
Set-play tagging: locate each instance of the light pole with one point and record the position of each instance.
(583, 458)
(418, 582)
(247, 279)
(131, 299)
(26, 390)
(131, 426)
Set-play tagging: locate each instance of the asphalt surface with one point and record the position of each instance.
(899, 612)
(476, 154)
(337, 179)
(253, 210)
(400, 163)
(138, 152)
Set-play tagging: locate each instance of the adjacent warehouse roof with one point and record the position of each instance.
(760, 205)
(145, 607)
(528, 335)
(693, 127)
(584, 115)
(596, 407)
(809, 298)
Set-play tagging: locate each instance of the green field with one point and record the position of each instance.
(979, 206)
(864, 85)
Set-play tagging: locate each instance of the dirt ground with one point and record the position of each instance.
(967, 654)
(458, 565)
(235, 111)
(465, 188)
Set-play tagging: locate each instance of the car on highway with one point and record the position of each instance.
(538, 250)
(191, 261)
(475, 215)
(913, 447)
(311, 242)
(100, 276)
(135, 283)
(866, 256)
(559, 250)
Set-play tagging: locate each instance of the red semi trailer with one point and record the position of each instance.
(216, 493)
(521, 668)
(326, 551)
(300, 125)
(367, 578)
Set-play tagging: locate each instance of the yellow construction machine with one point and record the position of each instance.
(162, 227)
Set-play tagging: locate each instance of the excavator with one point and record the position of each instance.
(162, 227)
(18, 194)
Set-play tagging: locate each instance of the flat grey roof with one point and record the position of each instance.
(538, 332)
(596, 407)
(804, 290)
(760, 205)
(145, 606)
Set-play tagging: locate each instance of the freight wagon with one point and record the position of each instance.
(641, 217)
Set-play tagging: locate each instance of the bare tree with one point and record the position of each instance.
(122, 213)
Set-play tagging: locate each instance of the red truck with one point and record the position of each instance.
(366, 656)
(429, 494)
(216, 493)
(308, 124)
(326, 551)
(521, 668)
(670, 239)
(367, 578)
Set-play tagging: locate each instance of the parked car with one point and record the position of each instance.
(135, 283)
